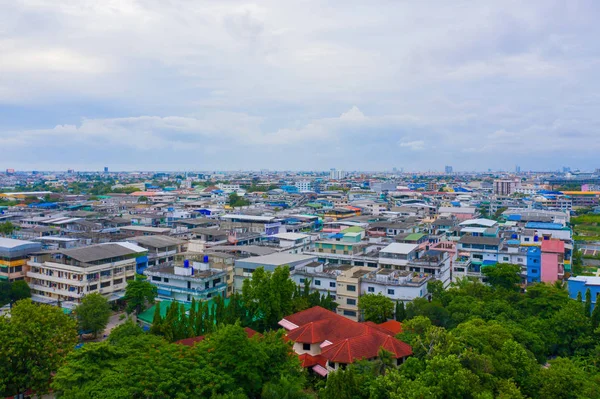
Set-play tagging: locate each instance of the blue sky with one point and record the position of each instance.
(305, 85)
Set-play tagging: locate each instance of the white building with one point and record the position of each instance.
(303, 185)
(504, 187)
(69, 275)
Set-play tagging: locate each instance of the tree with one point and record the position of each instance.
(93, 313)
(235, 201)
(19, 290)
(34, 342)
(588, 303)
(7, 228)
(143, 199)
(503, 275)
(376, 308)
(596, 314)
(268, 297)
(400, 311)
(138, 294)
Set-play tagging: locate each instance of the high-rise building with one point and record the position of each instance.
(106, 169)
(504, 187)
(517, 169)
(336, 174)
(448, 169)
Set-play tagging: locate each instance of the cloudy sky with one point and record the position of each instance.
(299, 84)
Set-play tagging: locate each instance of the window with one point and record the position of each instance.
(93, 287)
(371, 289)
(306, 347)
(352, 288)
(166, 280)
(534, 271)
(506, 259)
(350, 313)
(526, 239)
(118, 281)
(350, 301)
(332, 284)
(105, 284)
(391, 292)
(155, 278)
(302, 281)
(317, 282)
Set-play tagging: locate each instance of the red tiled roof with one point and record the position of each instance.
(350, 340)
(308, 360)
(366, 346)
(191, 341)
(393, 326)
(318, 324)
(555, 246)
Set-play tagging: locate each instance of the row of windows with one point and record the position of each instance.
(318, 282)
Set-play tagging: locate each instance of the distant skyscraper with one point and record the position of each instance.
(106, 169)
(336, 174)
(566, 169)
(448, 169)
(518, 169)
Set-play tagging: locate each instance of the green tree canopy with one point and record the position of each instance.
(34, 342)
(376, 308)
(138, 294)
(93, 313)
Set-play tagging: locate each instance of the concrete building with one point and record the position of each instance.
(303, 185)
(504, 186)
(13, 258)
(161, 249)
(188, 280)
(71, 274)
(245, 267)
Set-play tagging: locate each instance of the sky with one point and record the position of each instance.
(299, 84)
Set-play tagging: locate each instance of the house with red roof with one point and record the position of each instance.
(326, 341)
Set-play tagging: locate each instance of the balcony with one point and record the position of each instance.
(55, 279)
(56, 291)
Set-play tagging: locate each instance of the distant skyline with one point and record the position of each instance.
(299, 85)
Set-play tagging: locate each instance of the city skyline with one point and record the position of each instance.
(235, 85)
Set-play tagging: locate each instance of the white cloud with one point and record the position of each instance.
(371, 77)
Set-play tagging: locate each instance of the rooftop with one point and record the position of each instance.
(399, 248)
(279, 259)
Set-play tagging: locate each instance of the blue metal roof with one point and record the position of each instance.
(542, 225)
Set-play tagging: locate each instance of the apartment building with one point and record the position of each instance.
(68, 275)
(161, 249)
(346, 283)
(188, 280)
(245, 267)
(13, 258)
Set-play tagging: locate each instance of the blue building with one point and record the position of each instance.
(534, 264)
(581, 284)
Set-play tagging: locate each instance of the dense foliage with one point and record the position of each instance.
(376, 308)
(12, 292)
(485, 341)
(227, 364)
(93, 313)
(34, 341)
(139, 293)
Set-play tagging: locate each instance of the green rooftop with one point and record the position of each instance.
(353, 229)
(414, 237)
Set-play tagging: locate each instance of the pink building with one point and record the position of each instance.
(552, 260)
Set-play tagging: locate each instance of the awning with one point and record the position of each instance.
(322, 371)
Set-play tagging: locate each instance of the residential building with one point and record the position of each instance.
(326, 341)
(245, 267)
(504, 187)
(13, 258)
(552, 261)
(187, 281)
(69, 275)
(580, 285)
(161, 249)
(304, 185)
